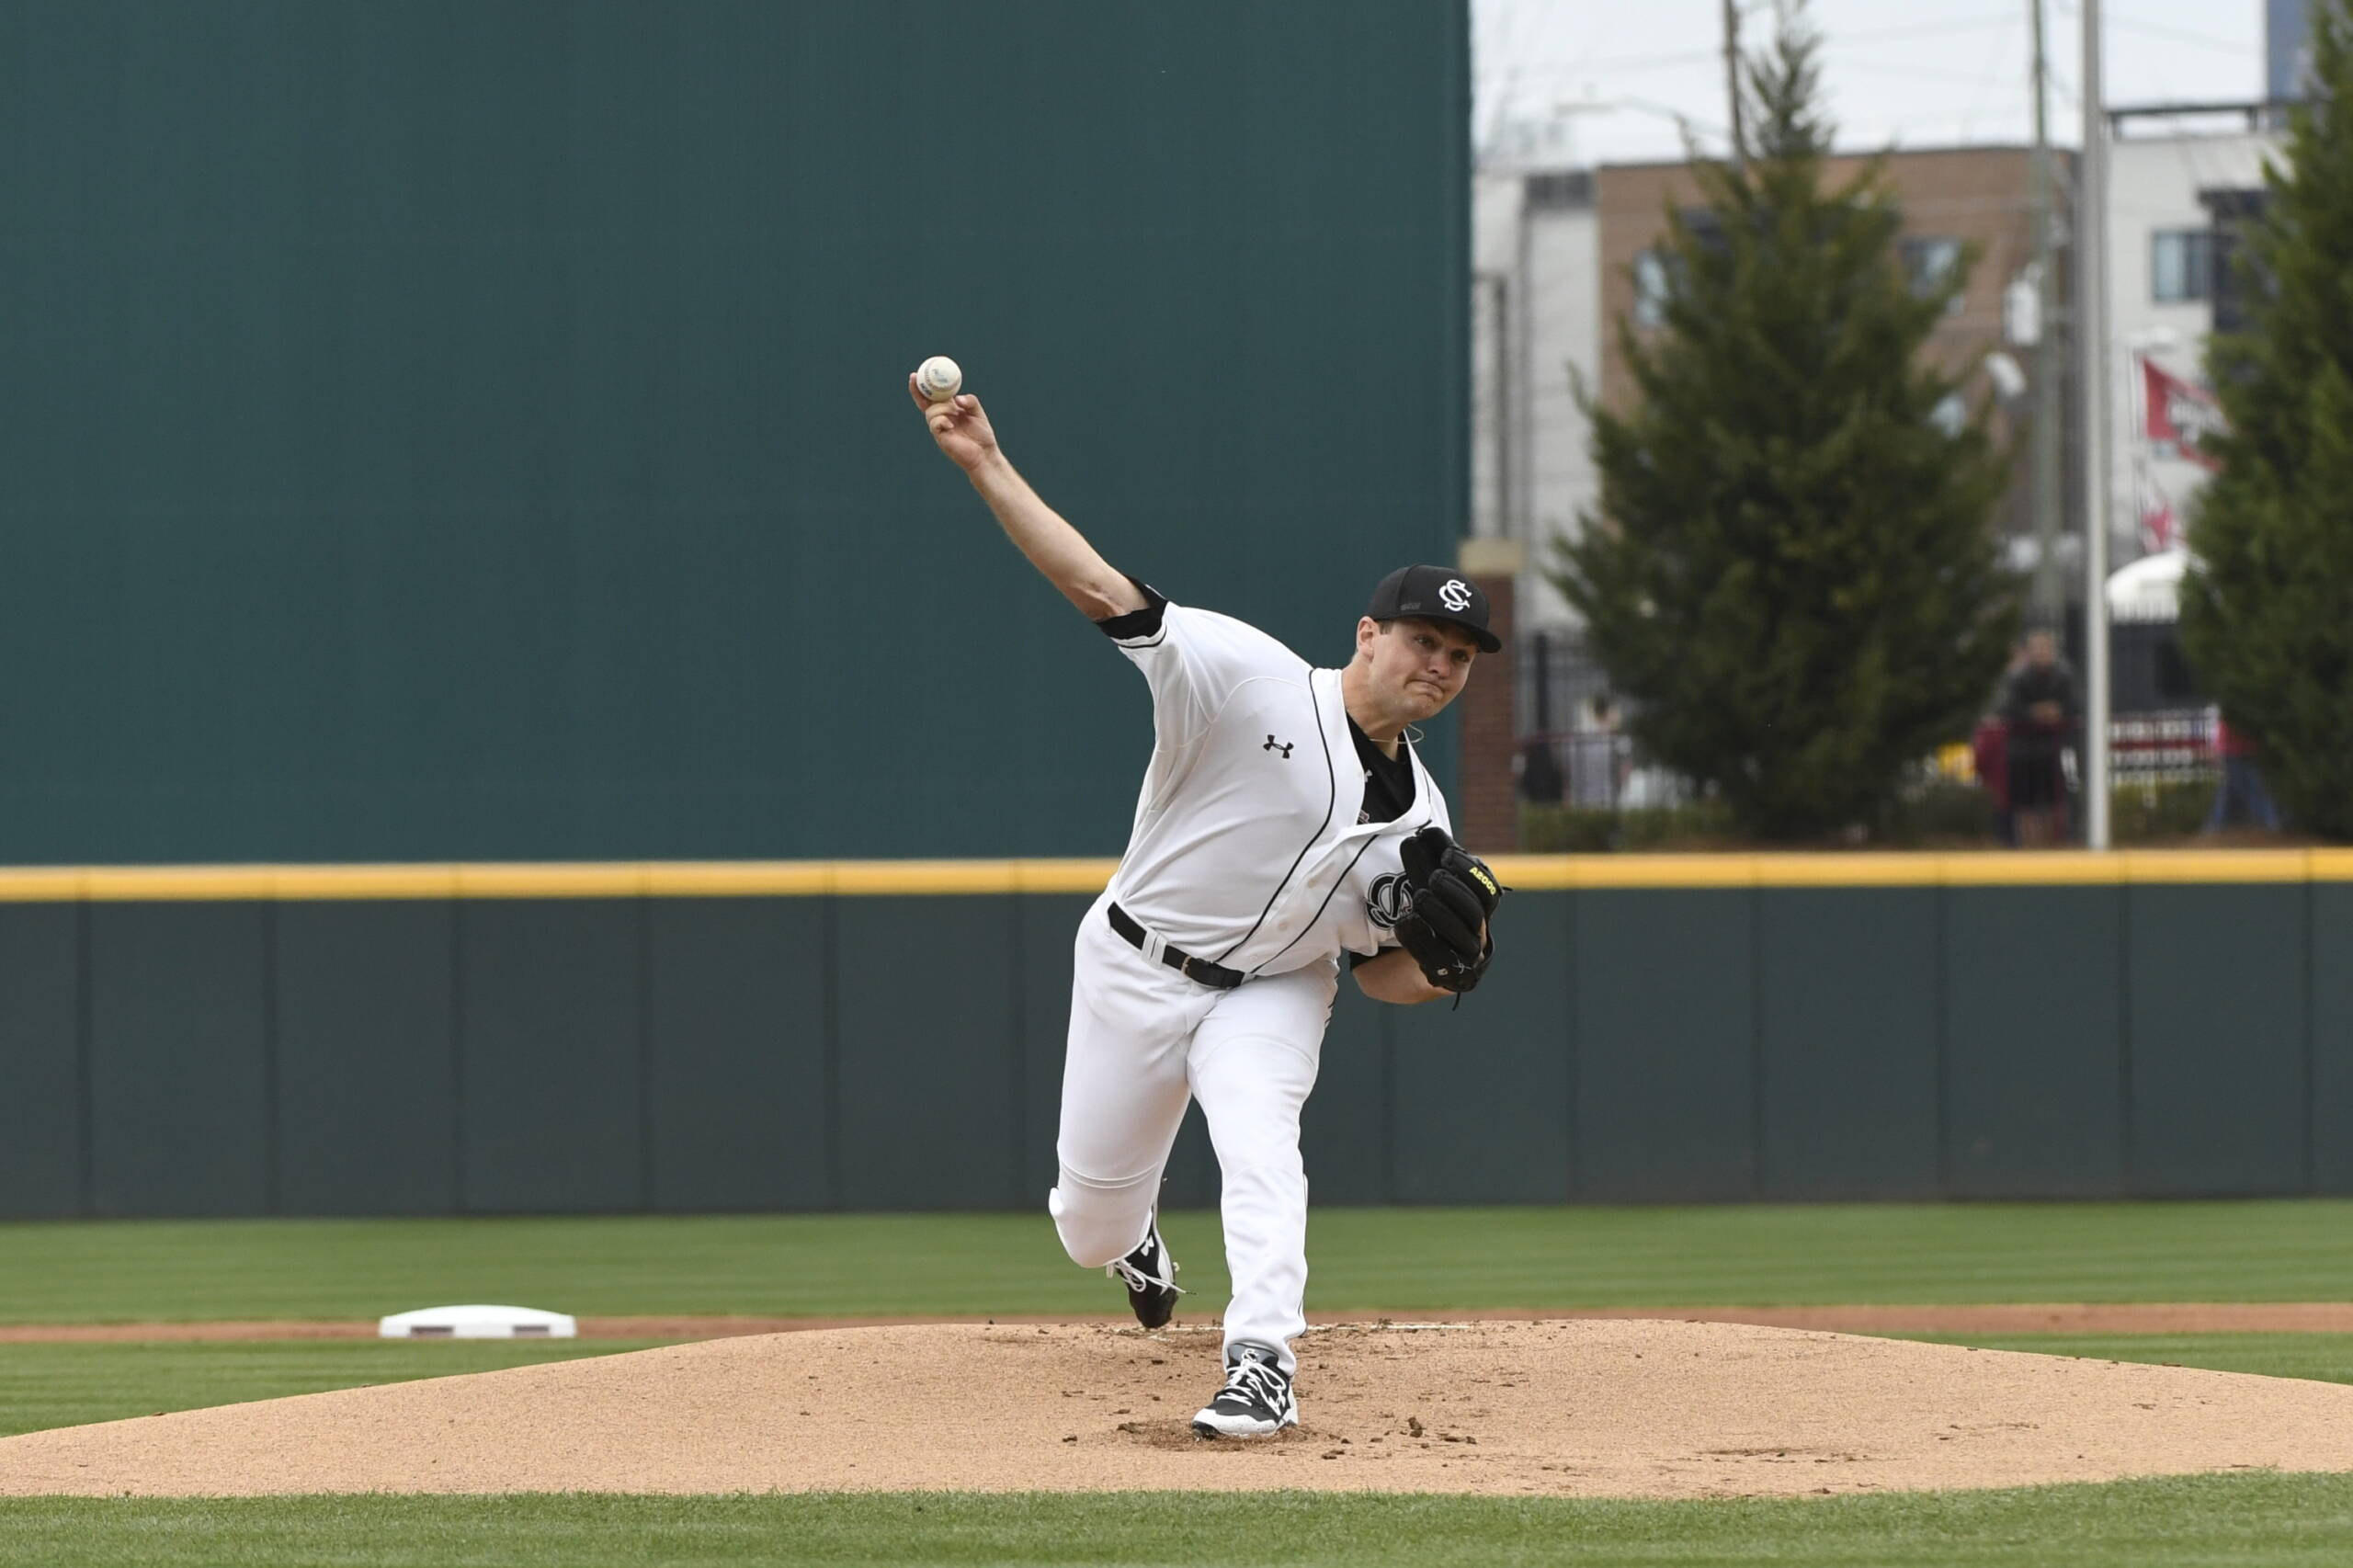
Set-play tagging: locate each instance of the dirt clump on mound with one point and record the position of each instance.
(1613, 1408)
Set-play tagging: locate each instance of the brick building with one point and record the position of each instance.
(1951, 200)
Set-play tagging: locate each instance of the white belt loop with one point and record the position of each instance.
(1154, 944)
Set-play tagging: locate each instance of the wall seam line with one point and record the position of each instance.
(647, 1172)
(1016, 1049)
(85, 1067)
(458, 1022)
(2129, 1146)
(273, 1174)
(1940, 1040)
(2311, 992)
(829, 1013)
(1756, 1118)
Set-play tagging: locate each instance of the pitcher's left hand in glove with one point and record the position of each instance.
(1445, 927)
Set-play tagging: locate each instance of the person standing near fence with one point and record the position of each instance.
(2042, 709)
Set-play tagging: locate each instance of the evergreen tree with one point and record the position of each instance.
(1791, 571)
(2268, 616)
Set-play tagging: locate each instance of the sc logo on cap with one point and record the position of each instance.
(1455, 596)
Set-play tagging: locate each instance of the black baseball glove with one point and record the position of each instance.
(1445, 927)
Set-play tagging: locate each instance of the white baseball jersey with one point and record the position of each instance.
(1247, 852)
(1247, 849)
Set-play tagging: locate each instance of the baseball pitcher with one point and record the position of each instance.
(1285, 819)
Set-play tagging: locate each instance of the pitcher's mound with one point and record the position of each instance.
(1583, 1408)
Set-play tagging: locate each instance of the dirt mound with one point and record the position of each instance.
(1584, 1408)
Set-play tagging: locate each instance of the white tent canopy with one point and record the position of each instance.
(2149, 589)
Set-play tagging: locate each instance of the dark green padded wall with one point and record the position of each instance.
(42, 1107)
(551, 1027)
(458, 431)
(180, 1103)
(739, 1053)
(1665, 1101)
(1849, 1036)
(2221, 1048)
(2329, 962)
(1482, 1090)
(2034, 1090)
(1046, 927)
(504, 1055)
(930, 1053)
(1348, 1130)
(366, 1018)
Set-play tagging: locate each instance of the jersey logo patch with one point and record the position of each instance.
(1455, 596)
(1282, 747)
(1389, 900)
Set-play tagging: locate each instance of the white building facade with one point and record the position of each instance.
(2164, 268)
(1536, 326)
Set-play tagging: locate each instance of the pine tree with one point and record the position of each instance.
(2266, 617)
(1792, 571)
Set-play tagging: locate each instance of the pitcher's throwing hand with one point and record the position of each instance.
(958, 425)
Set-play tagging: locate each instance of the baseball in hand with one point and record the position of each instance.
(938, 379)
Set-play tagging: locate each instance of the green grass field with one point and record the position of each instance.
(1538, 1259)
(967, 1264)
(2271, 1521)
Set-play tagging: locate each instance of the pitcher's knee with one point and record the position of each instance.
(1262, 1168)
(1099, 1224)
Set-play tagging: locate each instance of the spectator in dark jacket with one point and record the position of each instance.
(2040, 707)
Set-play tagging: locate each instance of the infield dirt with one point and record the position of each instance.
(1622, 1408)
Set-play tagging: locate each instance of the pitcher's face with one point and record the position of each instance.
(1416, 667)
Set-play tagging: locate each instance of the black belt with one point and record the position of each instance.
(1216, 976)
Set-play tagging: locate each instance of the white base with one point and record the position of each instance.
(477, 1322)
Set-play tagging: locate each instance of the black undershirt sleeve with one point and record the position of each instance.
(1137, 622)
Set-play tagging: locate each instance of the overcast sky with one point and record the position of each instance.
(1907, 72)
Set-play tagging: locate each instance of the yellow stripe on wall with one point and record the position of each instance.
(801, 878)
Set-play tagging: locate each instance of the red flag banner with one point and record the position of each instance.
(2178, 414)
(2157, 525)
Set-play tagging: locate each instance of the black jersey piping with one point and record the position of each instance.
(1428, 817)
(1331, 804)
(1319, 908)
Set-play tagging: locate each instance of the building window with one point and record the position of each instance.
(1652, 284)
(2181, 264)
(1566, 189)
(1931, 262)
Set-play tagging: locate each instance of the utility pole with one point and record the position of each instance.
(1731, 77)
(2050, 406)
(2091, 316)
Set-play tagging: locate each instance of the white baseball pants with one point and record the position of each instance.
(1143, 1041)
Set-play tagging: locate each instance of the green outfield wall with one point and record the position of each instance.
(488, 1039)
(449, 430)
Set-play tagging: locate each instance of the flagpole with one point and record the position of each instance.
(2136, 397)
(2091, 252)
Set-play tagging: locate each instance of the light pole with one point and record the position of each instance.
(2050, 603)
(2091, 295)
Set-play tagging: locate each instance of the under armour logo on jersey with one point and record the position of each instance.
(1390, 899)
(1282, 747)
(1455, 596)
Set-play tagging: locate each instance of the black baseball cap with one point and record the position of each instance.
(1435, 593)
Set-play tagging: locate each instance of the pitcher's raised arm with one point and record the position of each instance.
(1059, 552)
